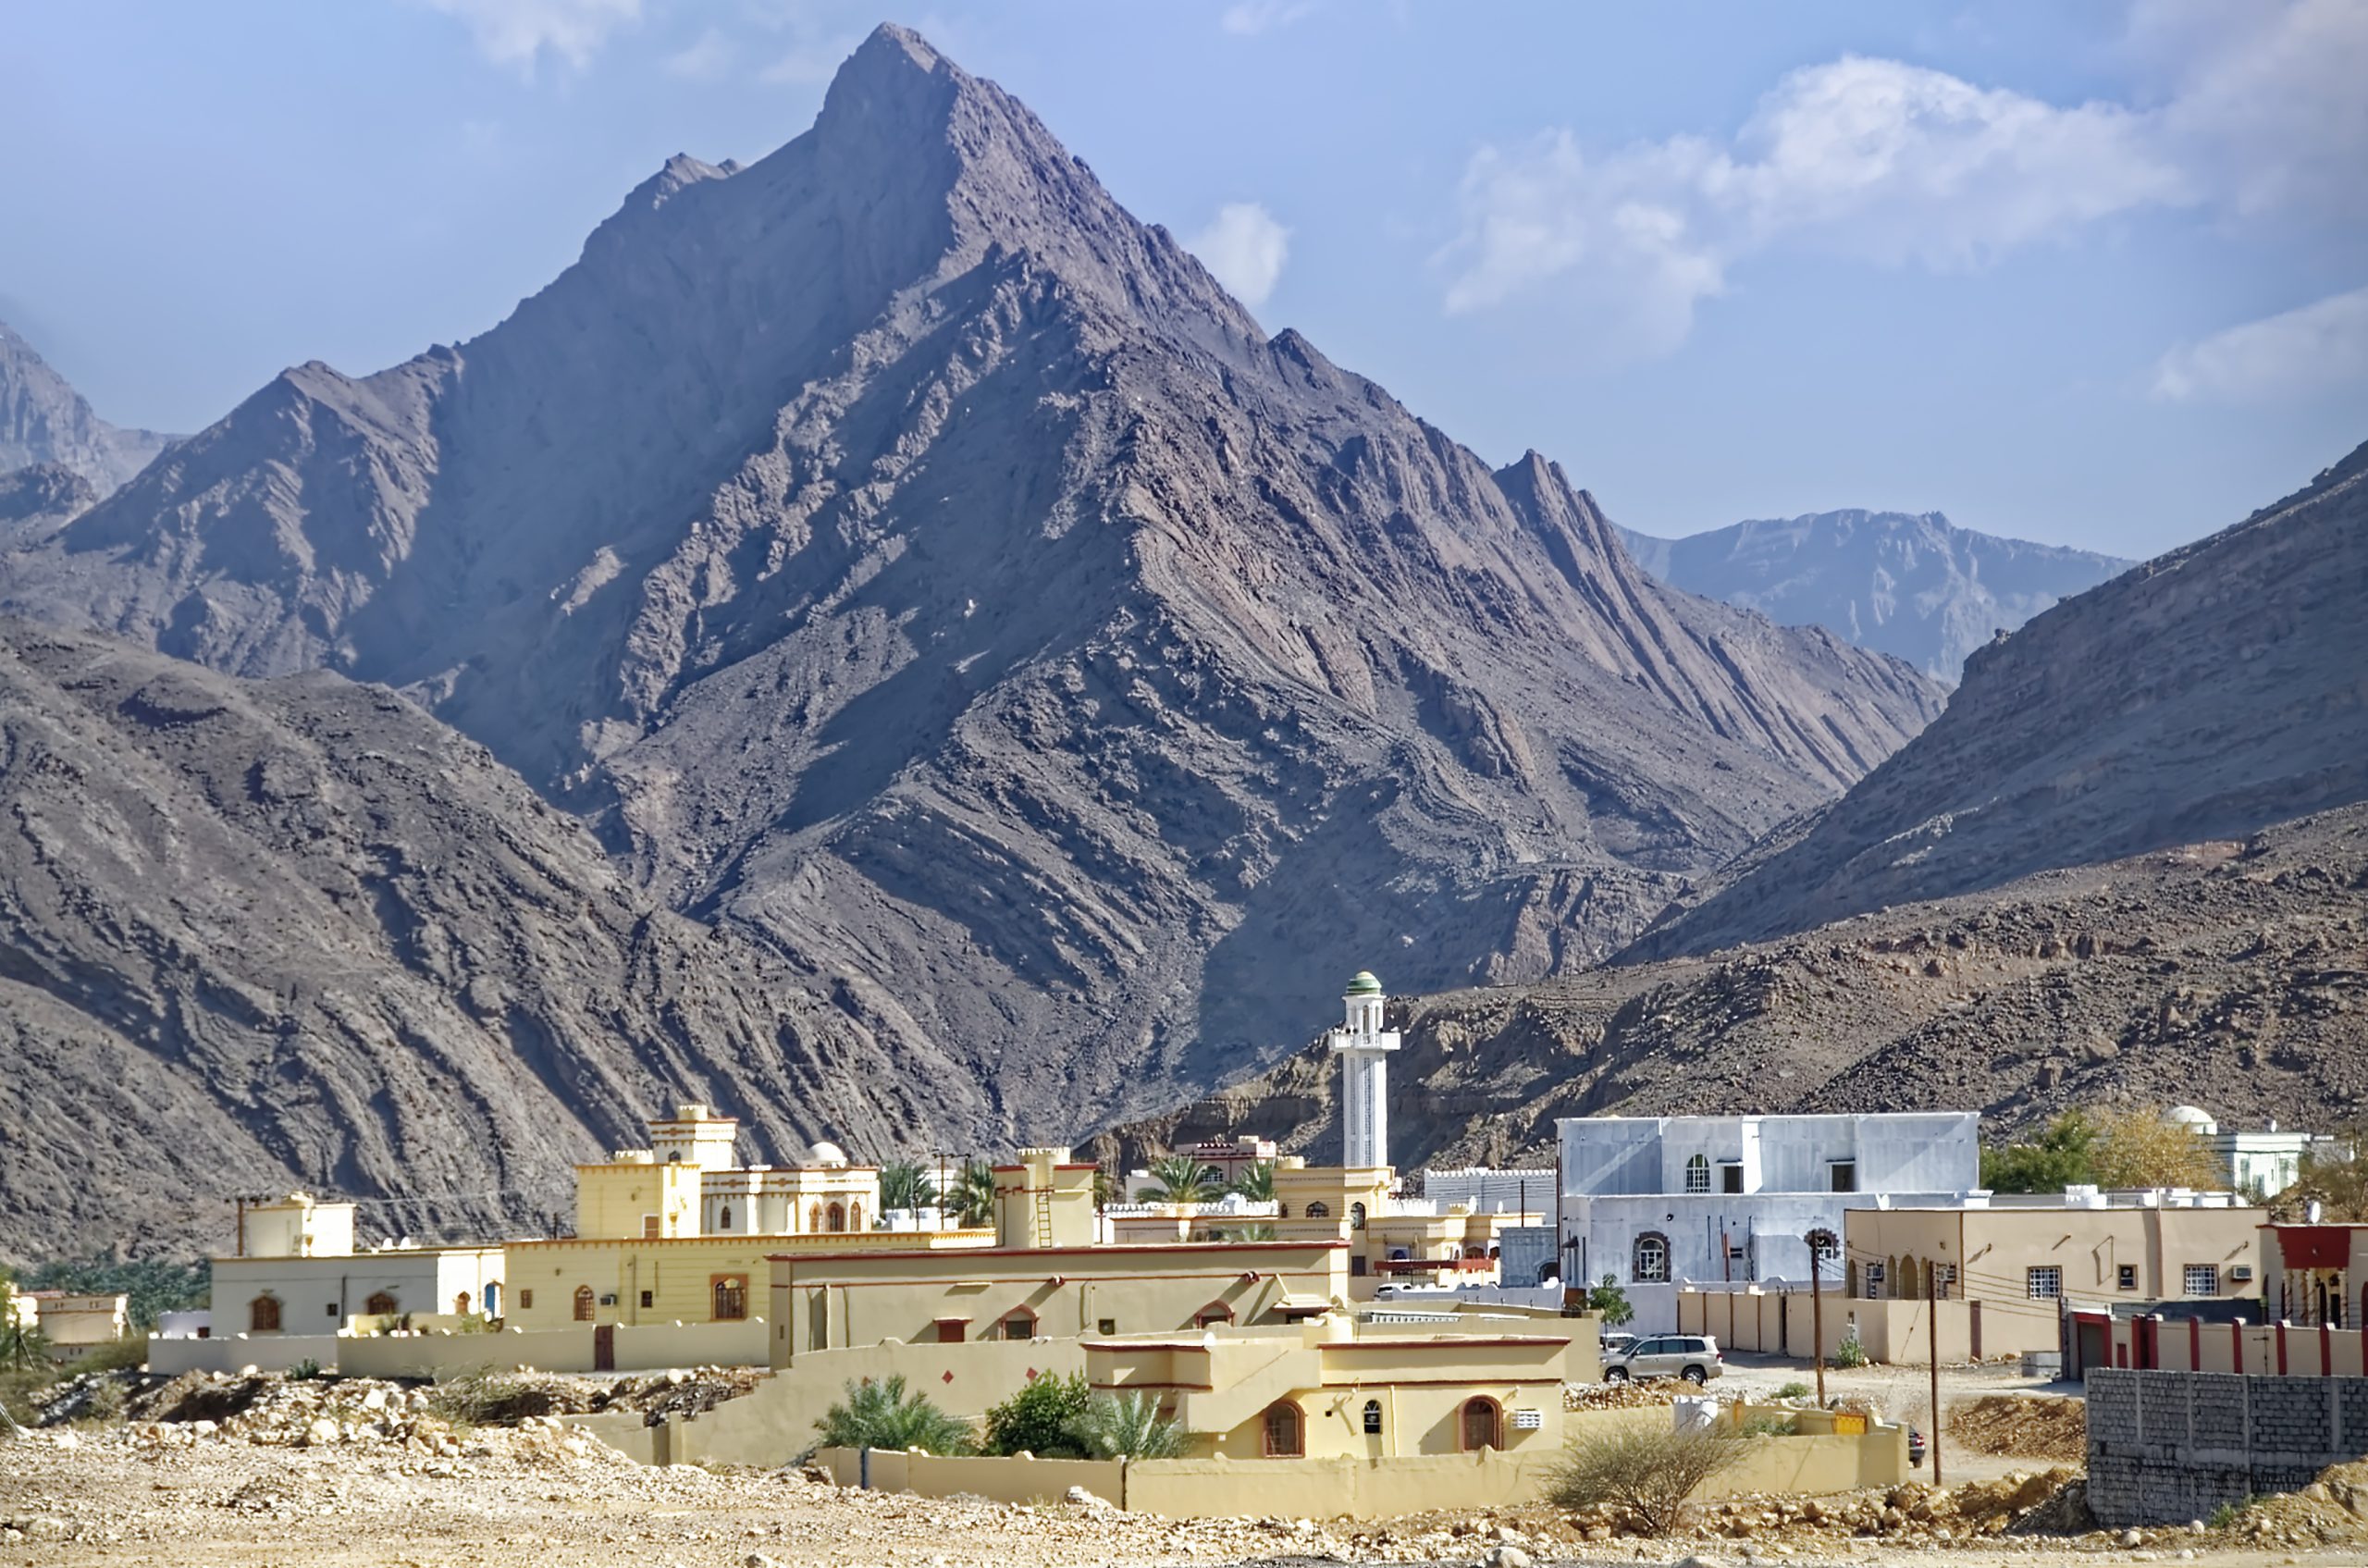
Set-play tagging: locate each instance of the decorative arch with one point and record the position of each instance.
(1697, 1174)
(263, 1315)
(584, 1304)
(838, 1217)
(723, 1217)
(1319, 1210)
(814, 1217)
(1356, 1217)
(1648, 1259)
(1480, 1425)
(1213, 1315)
(1373, 1418)
(1285, 1431)
(854, 1215)
(381, 1305)
(1019, 1325)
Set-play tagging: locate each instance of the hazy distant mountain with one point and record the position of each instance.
(2203, 696)
(901, 552)
(43, 420)
(1913, 585)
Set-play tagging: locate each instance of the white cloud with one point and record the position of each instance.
(2303, 351)
(1245, 247)
(2268, 106)
(519, 32)
(1252, 18)
(1873, 158)
(707, 57)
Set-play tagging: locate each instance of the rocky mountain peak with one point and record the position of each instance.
(45, 420)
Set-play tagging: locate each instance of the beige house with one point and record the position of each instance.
(687, 1182)
(1325, 1392)
(77, 1322)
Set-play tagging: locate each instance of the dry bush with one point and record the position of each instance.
(1647, 1472)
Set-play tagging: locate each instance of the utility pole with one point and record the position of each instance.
(1817, 1321)
(1932, 1342)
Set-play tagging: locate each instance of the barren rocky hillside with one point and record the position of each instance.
(2232, 974)
(900, 552)
(45, 420)
(2206, 694)
(258, 934)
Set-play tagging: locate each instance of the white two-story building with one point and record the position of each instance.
(1659, 1201)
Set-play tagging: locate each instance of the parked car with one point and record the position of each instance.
(1694, 1357)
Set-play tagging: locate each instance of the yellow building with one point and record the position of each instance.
(76, 1323)
(688, 1183)
(2085, 1244)
(1327, 1393)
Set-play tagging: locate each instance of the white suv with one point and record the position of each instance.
(1694, 1357)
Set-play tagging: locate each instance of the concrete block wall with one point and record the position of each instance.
(2168, 1446)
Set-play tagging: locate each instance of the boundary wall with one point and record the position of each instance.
(2165, 1448)
(648, 1347)
(1893, 1332)
(2101, 1342)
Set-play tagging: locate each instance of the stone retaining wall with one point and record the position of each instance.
(2165, 1448)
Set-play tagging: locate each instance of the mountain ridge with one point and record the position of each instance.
(45, 420)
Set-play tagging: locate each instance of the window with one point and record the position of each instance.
(1319, 1210)
(1730, 1177)
(1697, 1174)
(2125, 1276)
(331, 1309)
(838, 1217)
(855, 1215)
(1874, 1281)
(2200, 1279)
(730, 1291)
(1211, 1314)
(1845, 1176)
(814, 1217)
(526, 1301)
(1286, 1431)
(1356, 1217)
(1357, 1265)
(1373, 1418)
(2043, 1282)
(1482, 1426)
(650, 1228)
(1650, 1265)
(1019, 1325)
(723, 1217)
(1824, 1248)
(263, 1316)
(953, 1330)
(1107, 1325)
(584, 1304)
(649, 1298)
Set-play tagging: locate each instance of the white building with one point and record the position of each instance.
(1488, 1190)
(1363, 1047)
(2258, 1165)
(297, 1272)
(1659, 1201)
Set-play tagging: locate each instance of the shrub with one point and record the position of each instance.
(1648, 1472)
(1038, 1417)
(1850, 1353)
(881, 1415)
(480, 1398)
(1768, 1426)
(1794, 1390)
(1128, 1426)
(2226, 1516)
(304, 1371)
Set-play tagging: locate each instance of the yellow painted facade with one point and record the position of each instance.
(298, 1226)
(676, 1280)
(2036, 1255)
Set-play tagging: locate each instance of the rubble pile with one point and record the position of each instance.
(2023, 1427)
(1618, 1396)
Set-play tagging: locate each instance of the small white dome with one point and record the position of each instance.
(826, 1153)
(2190, 1115)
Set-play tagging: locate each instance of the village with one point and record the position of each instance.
(1268, 1337)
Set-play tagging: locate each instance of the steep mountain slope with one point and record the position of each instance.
(2231, 975)
(2207, 694)
(253, 934)
(897, 549)
(43, 419)
(1914, 586)
(39, 499)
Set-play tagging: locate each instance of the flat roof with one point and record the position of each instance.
(1170, 1247)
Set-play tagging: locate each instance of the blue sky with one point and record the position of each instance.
(2095, 275)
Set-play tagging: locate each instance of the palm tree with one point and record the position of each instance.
(973, 1197)
(1179, 1178)
(1128, 1426)
(881, 1415)
(904, 1185)
(1257, 1182)
(1258, 1232)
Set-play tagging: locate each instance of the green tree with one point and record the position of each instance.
(1645, 1471)
(1180, 1178)
(1128, 1426)
(1258, 1232)
(2140, 1149)
(905, 1185)
(2063, 1155)
(1257, 1182)
(881, 1415)
(2335, 1177)
(1608, 1302)
(1038, 1418)
(973, 1198)
(153, 1285)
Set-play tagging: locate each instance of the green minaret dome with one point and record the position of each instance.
(1364, 985)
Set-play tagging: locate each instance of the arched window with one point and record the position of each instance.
(814, 1217)
(1649, 1264)
(838, 1217)
(1282, 1211)
(1373, 1418)
(1356, 1217)
(723, 1217)
(1213, 1315)
(584, 1304)
(1824, 1248)
(263, 1316)
(1019, 1325)
(1547, 1272)
(1697, 1174)
(854, 1215)
(731, 1298)
(1319, 1210)
(1286, 1431)
(1482, 1426)
(381, 1305)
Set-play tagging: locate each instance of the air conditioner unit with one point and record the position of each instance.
(1528, 1420)
(2242, 1271)
(608, 1299)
